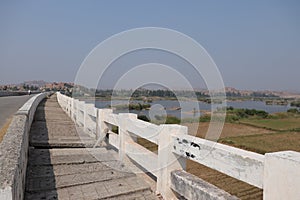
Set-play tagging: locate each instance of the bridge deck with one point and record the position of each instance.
(59, 168)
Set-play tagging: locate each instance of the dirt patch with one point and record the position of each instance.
(287, 124)
(233, 186)
(266, 143)
(4, 129)
(229, 130)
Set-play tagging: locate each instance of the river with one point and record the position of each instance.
(189, 108)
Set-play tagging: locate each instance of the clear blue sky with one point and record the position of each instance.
(255, 43)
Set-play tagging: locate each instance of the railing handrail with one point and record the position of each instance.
(231, 161)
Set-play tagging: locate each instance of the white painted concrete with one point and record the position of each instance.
(282, 176)
(167, 160)
(144, 129)
(240, 164)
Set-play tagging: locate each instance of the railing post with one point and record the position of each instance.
(89, 112)
(281, 175)
(69, 106)
(124, 135)
(102, 127)
(167, 160)
(83, 113)
(58, 97)
(72, 109)
(85, 116)
(75, 109)
(80, 113)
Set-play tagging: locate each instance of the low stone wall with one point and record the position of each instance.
(14, 150)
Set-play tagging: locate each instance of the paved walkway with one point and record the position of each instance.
(59, 168)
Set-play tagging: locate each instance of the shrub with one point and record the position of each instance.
(241, 113)
(133, 106)
(231, 118)
(230, 108)
(280, 115)
(250, 112)
(159, 117)
(245, 113)
(115, 129)
(262, 113)
(293, 110)
(295, 103)
(205, 118)
(144, 118)
(172, 120)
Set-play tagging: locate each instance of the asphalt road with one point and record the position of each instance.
(10, 105)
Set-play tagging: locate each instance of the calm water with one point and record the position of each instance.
(187, 107)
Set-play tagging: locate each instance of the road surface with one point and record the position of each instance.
(10, 105)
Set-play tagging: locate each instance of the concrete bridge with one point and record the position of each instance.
(62, 148)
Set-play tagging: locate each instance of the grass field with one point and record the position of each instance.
(200, 129)
(266, 143)
(286, 124)
(229, 130)
(251, 134)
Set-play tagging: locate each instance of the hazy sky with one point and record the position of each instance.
(255, 43)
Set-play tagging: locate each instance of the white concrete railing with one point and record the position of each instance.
(278, 174)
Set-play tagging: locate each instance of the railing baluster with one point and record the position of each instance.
(124, 135)
(167, 160)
